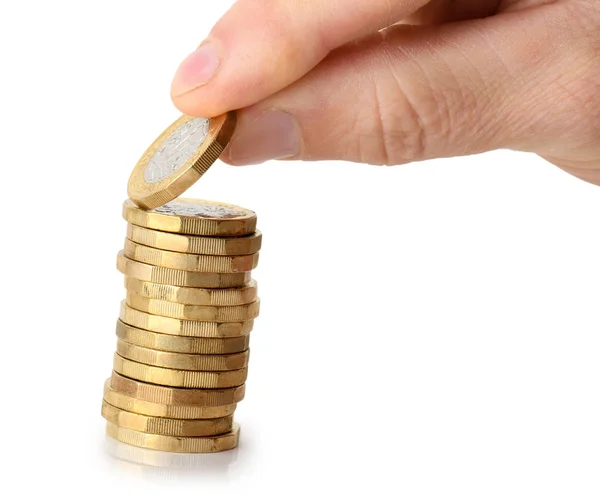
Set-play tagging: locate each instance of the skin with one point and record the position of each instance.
(395, 81)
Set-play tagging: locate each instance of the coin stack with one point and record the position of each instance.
(183, 331)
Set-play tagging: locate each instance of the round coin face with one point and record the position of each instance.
(195, 217)
(178, 158)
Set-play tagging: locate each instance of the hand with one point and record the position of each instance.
(395, 81)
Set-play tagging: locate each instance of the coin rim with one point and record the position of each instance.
(205, 313)
(187, 262)
(173, 444)
(183, 328)
(176, 396)
(204, 297)
(173, 360)
(164, 426)
(176, 343)
(163, 410)
(189, 244)
(179, 378)
(179, 278)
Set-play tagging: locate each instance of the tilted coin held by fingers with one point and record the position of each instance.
(178, 158)
(184, 325)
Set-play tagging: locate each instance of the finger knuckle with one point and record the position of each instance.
(396, 125)
(575, 87)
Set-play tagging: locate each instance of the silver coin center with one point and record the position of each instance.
(182, 208)
(177, 149)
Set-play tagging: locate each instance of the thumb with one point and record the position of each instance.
(413, 93)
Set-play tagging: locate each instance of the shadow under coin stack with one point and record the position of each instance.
(183, 332)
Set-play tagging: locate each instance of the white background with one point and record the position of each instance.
(430, 328)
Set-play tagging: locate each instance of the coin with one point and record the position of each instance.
(195, 217)
(155, 409)
(178, 158)
(165, 464)
(190, 312)
(202, 263)
(173, 360)
(179, 378)
(159, 394)
(184, 328)
(186, 345)
(217, 246)
(234, 296)
(166, 426)
(218, 443)
(168, 276)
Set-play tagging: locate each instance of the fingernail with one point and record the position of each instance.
(196, 70)
(272, 136)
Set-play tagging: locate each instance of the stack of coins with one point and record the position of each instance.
(183, 331)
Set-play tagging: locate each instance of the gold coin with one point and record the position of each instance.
(193, 244)
(195, 445)
(185, 345)
(178, 158)
(222, 314)
(166, 426)
(194, 217)
(202, 263)
(184, 328)
(175, 396)
(177, 361)
(168, 276)
(155, 409)
(179, 378)
(235, 296)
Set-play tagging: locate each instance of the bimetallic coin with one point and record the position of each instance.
(194, 217)
(202, 263)
(184, 328)
(166, 426)
(193, 244)
(179, 378)
(234, 296)
(155, 409)
(168, 276)
(178, 158)
(190, 312)
(172, 360)
(197, 445)
(185, 345)
(175, 396)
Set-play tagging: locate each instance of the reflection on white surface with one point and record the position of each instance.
(166, 465)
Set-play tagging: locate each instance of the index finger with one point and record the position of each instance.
(261, 46)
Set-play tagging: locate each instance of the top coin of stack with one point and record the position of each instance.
(183, 348)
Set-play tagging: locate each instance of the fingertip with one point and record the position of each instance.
(189, 91)
(272, 135)
(196, 70)
(194, 104)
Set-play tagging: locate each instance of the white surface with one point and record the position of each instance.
(425, 329)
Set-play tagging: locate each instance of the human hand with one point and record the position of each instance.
(318, 79)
